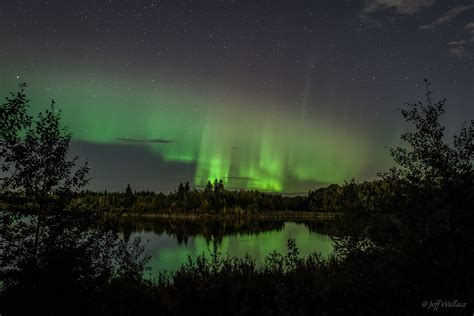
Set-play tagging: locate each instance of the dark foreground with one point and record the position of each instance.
(375, 282)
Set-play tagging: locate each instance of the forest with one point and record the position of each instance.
(403, 241)
(215, 199)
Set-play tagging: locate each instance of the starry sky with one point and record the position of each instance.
(280, 96)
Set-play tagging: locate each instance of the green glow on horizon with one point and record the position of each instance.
(247, 145)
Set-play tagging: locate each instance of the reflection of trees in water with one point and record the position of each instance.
(326, 227)
(183, 229)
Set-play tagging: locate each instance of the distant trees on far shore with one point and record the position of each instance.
(214, 198)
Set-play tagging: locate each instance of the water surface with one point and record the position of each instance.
(170, 243)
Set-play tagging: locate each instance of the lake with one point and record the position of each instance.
(170, 242)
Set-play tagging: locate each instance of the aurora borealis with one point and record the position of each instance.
(270, 96)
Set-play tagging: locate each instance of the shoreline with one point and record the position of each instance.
(286, 215)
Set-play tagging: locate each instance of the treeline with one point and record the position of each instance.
(214, 198)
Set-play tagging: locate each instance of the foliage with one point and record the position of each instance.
(420, 230)
(47, 249)
(331, 199)
(34, 152)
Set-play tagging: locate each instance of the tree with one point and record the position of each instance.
(34, 156)
(419, 228)
(208, 188)
(129, 197)
(429, 160)
(218, 185)
(434, 176)
(187, 188)
(56, 246)
(128, 190)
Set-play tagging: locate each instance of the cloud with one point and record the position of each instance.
(405, 7)
(457, 43)
(463, 47)
(447, 17)
(154, 141)
(470, 27)
(368, 15)
(457, 51)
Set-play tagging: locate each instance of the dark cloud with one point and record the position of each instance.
(458, 51)
(447, 17)
(400, 6)
(470, 27)
(113, 166)
(370, 13)
(153, 141)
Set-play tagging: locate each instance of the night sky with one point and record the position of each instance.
(281, 96)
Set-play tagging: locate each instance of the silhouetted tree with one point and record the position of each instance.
(128, 190)
(56, 249)
(208, 188)
(415, 234)
(34, 157)
(129, 197)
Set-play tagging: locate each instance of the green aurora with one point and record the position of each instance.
(249, 144)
